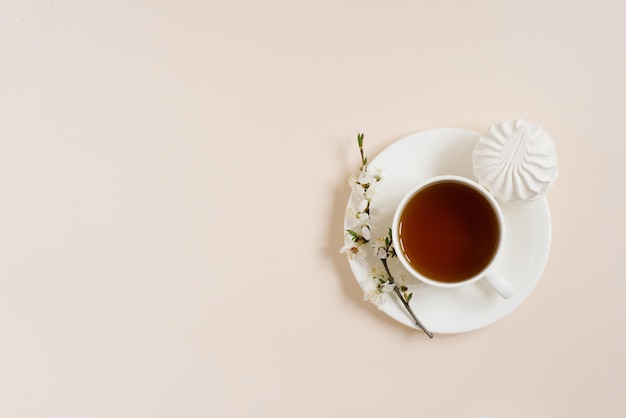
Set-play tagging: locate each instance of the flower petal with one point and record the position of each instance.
(362, 207)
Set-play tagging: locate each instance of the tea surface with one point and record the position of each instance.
(449, 232)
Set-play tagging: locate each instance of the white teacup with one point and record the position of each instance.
(448, 232)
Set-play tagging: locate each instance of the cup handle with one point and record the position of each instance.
(499, 284)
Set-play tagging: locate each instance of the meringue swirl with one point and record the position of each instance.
(516, 161)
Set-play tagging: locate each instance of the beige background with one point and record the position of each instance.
(172, 189)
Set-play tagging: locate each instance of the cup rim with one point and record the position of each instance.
(437, 179)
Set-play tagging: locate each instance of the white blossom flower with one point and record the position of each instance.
(369, 175)
(375, 297)
(387, 287)
(376, 288)
(380, 248)
(371, 191)
(372, 293)
(366, 185)
(354, 251)
(401, 278)
(371, 178)
(356, 220)
(356, 186)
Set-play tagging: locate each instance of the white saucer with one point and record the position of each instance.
(528, 231)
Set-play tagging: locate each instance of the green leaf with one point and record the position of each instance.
(408, 299)
(355, 236)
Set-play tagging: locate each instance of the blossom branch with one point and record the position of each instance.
(359, 233)
(404, 298)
